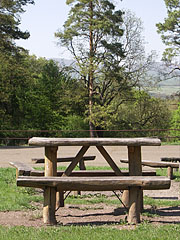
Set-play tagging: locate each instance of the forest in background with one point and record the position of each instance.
(105, 91)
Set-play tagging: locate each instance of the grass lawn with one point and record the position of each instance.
(17, 198)
(141, 232)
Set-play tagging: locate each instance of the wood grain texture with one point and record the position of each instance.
(155, 163)
(95, 183)
(39, 141)
(64, 159)
(92, 173)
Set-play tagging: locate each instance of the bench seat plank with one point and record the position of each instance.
(64, 159)
(156, 163)
(92, 173)
(95, 183)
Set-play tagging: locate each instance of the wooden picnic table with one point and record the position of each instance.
(134, 157)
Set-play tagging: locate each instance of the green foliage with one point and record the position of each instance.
(169, 30)
(175, 123)
(141, 112)
(73, 126)
(91, 34)
(10, 20)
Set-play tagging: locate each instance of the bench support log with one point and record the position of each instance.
(134, 157)
(49, 206)
(50, 193)
(133, 183)
(134, 206)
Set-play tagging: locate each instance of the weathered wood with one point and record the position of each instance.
(170, 172)
(21, 169)
(135, 169)
(95, 183)
(170, 159)
(40, 141)
(49, 206)
(76, 160)
(25, 170)
(159, 164)
(93, 173)
(50, 161)
(49, 192)
(109, 160)
(64, 159)
(155, 163)
(134, 207)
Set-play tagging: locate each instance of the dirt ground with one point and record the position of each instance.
(98, 214)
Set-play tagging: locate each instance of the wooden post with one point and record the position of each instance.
(135, 169)
(134, 210)
(49, 192)
(170, 172)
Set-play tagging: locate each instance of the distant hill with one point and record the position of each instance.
(163, 89)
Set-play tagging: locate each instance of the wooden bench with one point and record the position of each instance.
(68, 159)
(25, 170)
(159, 164)
(170, 159)
(110, 183)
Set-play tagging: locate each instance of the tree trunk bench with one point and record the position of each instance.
(110, 183)
(159, 164)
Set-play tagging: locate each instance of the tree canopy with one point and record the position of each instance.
(10, 11)
(170, 29)
(90, 33)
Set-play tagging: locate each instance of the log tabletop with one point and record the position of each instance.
(42, 142)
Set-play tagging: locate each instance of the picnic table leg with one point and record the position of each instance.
(135, 169)
(170, 172)
(49, 192)
(134, 208)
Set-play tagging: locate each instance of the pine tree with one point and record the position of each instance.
(10, 20)
(91, 33)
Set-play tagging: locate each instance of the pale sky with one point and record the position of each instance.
(44, 18)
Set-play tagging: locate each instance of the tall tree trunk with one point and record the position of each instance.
(91, 70)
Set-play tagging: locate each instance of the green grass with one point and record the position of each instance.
(163, 172)
(19, 198)
(13, 197)
(141, 232)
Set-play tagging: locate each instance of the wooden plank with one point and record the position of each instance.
(65, 159)
(93, 173)
(170, 159)
(21, 168)
(109, 160)
(156, 163)
(95, 183)
(39, 141)
(73, 164)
